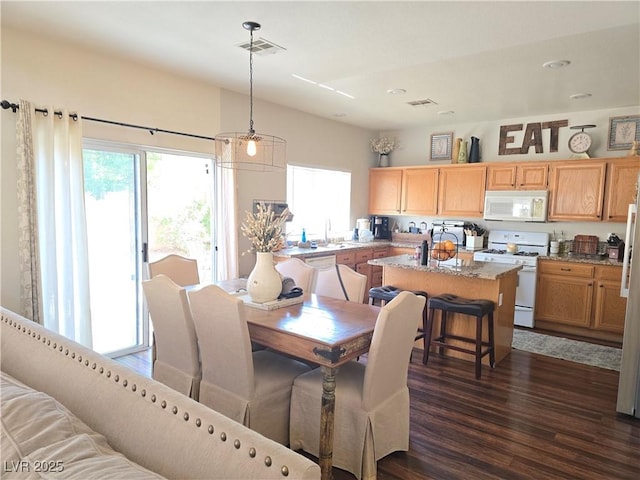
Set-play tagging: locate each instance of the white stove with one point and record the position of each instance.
(518, 248)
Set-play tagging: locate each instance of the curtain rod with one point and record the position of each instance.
(14, 107)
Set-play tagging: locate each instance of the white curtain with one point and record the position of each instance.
(60, 230)
(226, 224)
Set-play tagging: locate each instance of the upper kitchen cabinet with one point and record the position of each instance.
(420, 191)
(622, 187)
(529, 176)
(461, 190)
(576, 190)
(385, 188)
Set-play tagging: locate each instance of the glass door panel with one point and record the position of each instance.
(114, 234)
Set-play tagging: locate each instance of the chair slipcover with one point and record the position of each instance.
(372, 401)
(251, 388)
(327, 283)
(183, 271)
(176, 362)
(302, 273)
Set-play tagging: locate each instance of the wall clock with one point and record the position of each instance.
(580, 142)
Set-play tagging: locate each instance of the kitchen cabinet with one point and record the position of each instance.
(419, 191)
(576, 190)
(529, 176)
(580, 299)
(461, 190)
(610, 307)
(347, 258)
(622, 188)
(385, 188)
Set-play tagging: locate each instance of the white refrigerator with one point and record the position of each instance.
(629, 384)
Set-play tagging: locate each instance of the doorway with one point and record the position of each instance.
(141, 205)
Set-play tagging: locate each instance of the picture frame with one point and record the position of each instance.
(441, 145)
(623, 131)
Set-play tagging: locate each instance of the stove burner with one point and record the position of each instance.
(521, 253)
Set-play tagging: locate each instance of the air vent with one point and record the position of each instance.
(422, 103)
(262, 47)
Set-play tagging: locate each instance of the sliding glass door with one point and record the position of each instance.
(141, 205)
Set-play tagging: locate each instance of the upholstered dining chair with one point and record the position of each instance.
(340, 281)
(182, 270)
(301, 272)
(176, 361)
(253, 388)
(371, 416)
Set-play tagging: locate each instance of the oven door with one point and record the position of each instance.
(525, 297)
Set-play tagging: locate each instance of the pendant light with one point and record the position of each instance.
(250, 150)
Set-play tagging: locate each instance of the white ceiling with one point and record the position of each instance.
(481, 60)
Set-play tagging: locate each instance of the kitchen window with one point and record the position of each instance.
(320, 201)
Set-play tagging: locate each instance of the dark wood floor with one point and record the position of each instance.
(533, 417)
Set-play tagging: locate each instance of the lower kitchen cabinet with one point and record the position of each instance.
(580, 299)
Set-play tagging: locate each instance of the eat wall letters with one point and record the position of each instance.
(532, 137)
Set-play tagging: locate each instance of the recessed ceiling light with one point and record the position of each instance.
(396, 91)
(579, 96)
(446, 112)
(556, 64)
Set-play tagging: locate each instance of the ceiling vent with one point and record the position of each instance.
(262, 47)
(422, 103)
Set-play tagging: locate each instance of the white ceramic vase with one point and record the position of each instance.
(264, 283)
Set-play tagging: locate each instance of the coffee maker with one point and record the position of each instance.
(380, 228)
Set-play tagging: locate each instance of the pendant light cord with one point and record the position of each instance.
(251, 130)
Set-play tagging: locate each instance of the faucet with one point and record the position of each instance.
(327, 229)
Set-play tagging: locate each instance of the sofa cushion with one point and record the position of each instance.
(42, 438)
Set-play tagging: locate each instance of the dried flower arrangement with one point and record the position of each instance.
(383, 145)
(265, 229)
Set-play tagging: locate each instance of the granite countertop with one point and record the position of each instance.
(330, 249)
(483, 270)
(581, 258)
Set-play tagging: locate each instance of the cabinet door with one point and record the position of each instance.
(420, 191)
(532, 177)
(384, 191)
(622, 186)
(461, 191)
(610, 307)
(564, 299)
(577, 190)
(502, 177)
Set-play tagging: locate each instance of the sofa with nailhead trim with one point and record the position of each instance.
(68, 412)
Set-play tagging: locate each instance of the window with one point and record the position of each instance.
(320, 201)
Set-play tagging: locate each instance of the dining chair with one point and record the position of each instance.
(182, 270)
(371, 416)
(252, 388)
(301, 272)
(176, 361)
(340, 281)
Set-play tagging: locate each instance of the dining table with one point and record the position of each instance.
(326, 331)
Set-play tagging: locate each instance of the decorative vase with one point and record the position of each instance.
(264, 283)
(474, 151)
(383, 160)
(456, 150)
(462, 155)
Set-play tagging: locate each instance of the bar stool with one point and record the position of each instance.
(473, 307)
(388, 292)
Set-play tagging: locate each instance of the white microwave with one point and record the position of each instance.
(516, 206)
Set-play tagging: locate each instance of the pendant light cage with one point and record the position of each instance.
(250, 150)
(231, 152)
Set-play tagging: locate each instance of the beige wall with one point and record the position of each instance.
(97, 85)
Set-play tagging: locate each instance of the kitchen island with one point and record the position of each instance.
(478, 280)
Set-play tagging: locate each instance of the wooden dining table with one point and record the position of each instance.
(322, 330)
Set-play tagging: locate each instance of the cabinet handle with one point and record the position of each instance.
(565, 269)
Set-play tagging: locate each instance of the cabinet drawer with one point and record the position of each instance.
(347, 258)
(609, 273)
(380, 252)
(566, 268)
(363, 256)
